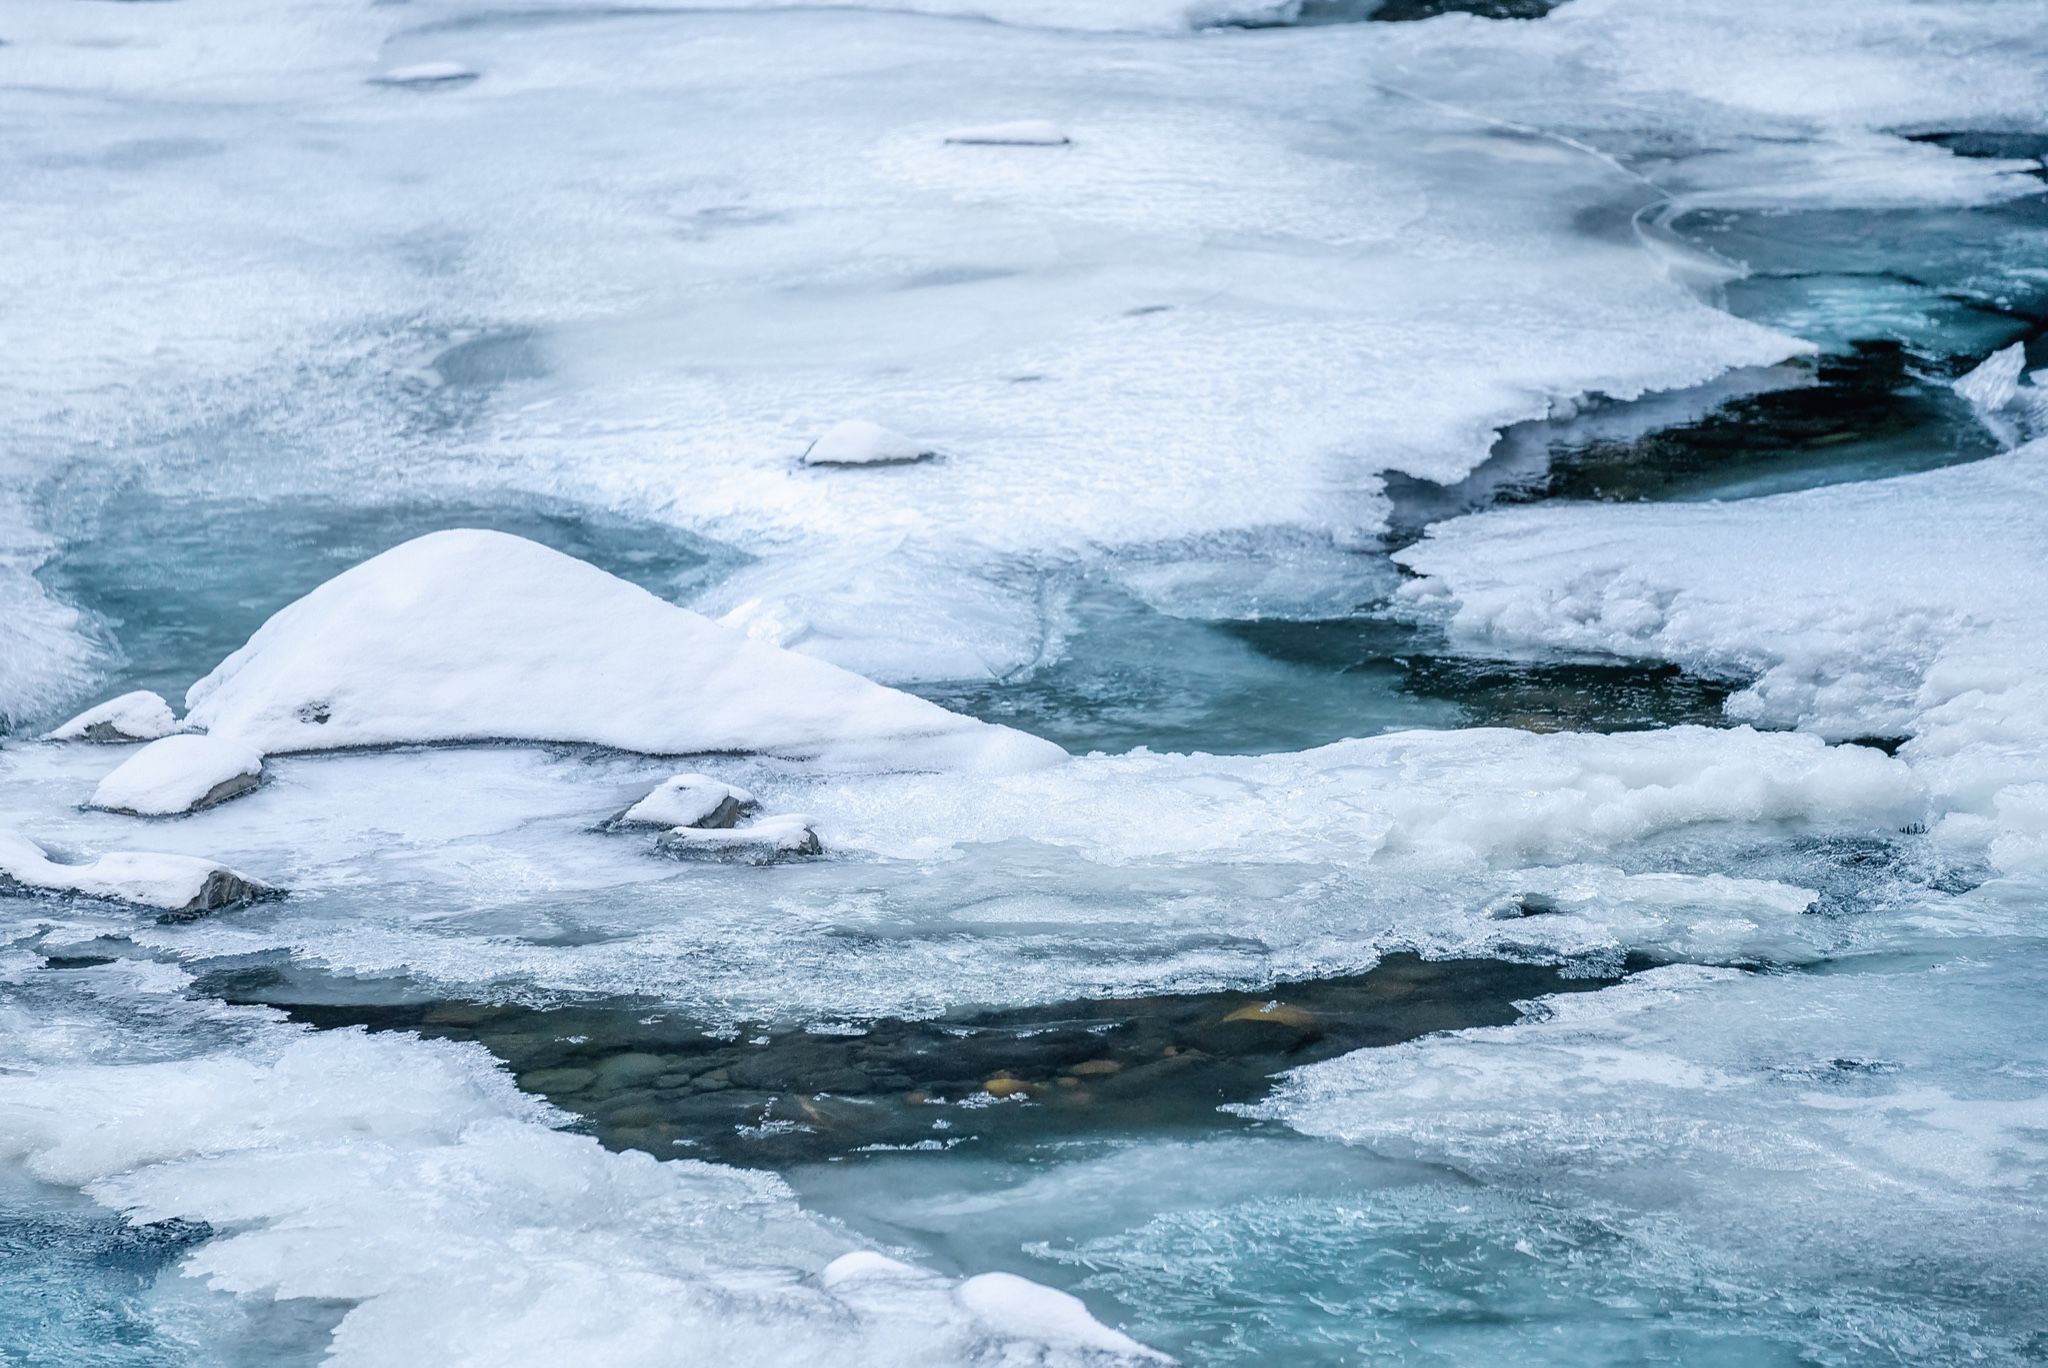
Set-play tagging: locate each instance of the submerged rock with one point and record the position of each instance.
(180, 886)
(769, 841)
(1016, 133)
(426, 75)
(857, 442)
(180, 774)
(137, 716)
(688, 800)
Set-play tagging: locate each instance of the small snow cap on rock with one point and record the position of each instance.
(138, 716)
(181, 886)
(785, 836)
(425, 74)
(863, 1264)
(689, 800)
(180, 774)
(1020, 1308)
(1017, 133)
(857, 442)
(470, 635)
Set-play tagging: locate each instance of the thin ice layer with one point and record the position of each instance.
(1833, 1167)
(413, 1180)
(484, 870)
(1904, 607)
(472, 635)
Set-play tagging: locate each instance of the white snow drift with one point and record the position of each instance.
(472, 635)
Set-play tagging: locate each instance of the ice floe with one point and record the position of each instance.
(474, 635)
(179, 774)
(181, 885)
(137, 716)
(1908, 607)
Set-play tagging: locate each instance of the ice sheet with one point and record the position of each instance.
(1906, 608)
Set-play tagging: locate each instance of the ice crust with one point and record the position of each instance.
(1908, 607)
(1433, 230)
(474, 635)
(411, 1179)
(179, 774)
(1099, 876)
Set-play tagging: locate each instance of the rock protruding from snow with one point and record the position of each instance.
(857, 442)
(180, 886)
(426, 75)
(477, 636)
(138, 716)
(1016, 133)
(689, 800)
(180, 774)
(786, 836)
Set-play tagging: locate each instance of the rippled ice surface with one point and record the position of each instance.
(1367, 989)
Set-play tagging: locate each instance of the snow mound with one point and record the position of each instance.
(857, 442)
(1908, 607)
(181, 885)
(471, 635)
(1016, 133)
(137, 716)
(689, 800)
(1018, 1307)
(180, 774)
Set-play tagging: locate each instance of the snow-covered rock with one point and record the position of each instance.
(181, 886)
(785, 836)
(426, 74)
(1016, 133)
(179, 774)
(689, 800)
(471, 635)
(137, 716)
(1017, 1307)
(858, 442)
